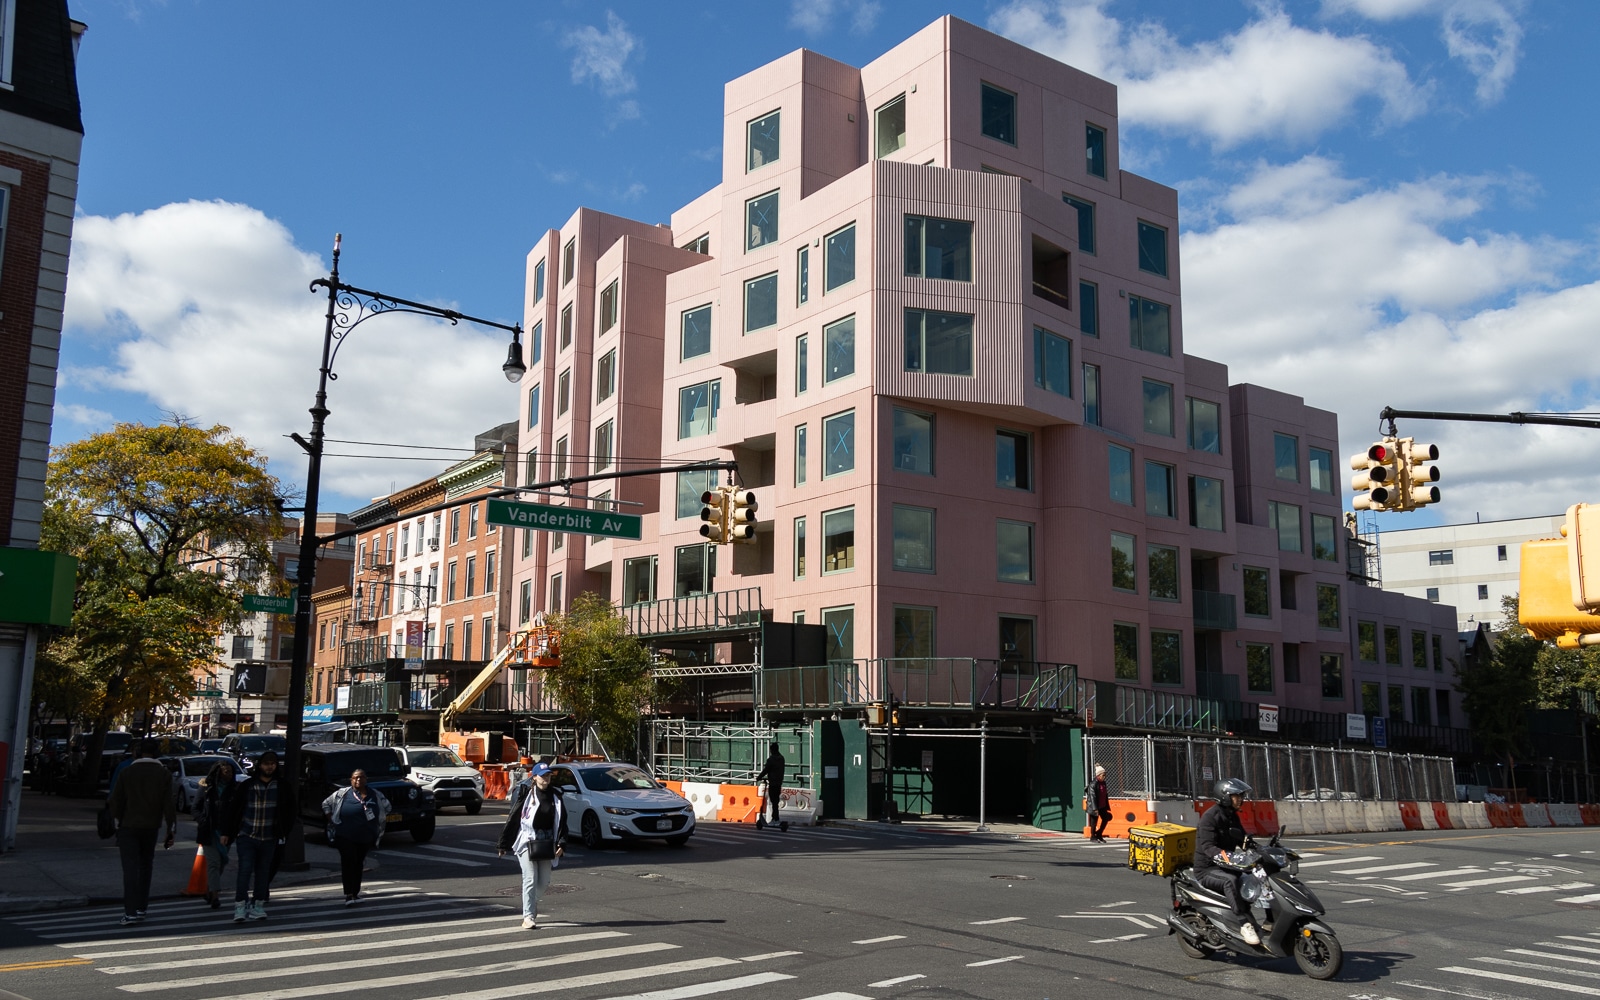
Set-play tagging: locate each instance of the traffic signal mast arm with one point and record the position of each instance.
(1389, 413)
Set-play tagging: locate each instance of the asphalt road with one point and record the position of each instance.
(840, 913)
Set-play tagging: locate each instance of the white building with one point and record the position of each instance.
(1471, 566)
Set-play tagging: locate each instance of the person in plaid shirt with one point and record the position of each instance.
(258, 821)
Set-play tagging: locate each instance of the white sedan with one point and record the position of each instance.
(186, 775)
(608, 801)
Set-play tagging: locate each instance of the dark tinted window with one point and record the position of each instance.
(261, 744)
(434, 758)
(613, 779)
(999, 114)
(199, 767)
(379, 763)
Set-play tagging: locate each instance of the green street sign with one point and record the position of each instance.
(572, 520)
(271, 605)
(212, 693)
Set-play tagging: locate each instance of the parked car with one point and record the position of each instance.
(325, 767)
(246, 747)
(187, 772)
(608, 801)
(111, 754)
(452, 780)
(210, 745)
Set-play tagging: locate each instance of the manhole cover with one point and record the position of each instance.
(555, 887)
(1014, 878)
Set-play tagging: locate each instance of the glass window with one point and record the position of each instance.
(563, 392)
(1258, 592)
(533, 405)
(1012, 465)
(1085, 222)
(1442, 557)
(1014, 551)
(536, 344)
(1204, 421)
(1323, 539)
(1291, 663)
(802, 362)
(1419, 650)
(1433, 594)
(1286, 457)
(1332, 675)
(1124, 570)
(891, 122)
(761, 220)
(840, 253)
(1258, 666)
(938, 342)
(799, 548)
(1157, 408)
(700, 244)
(1371, 698)
(913, 539)
(913, 632)
(1321, 461)
(800, 455)
(1159, 499)
(449, 584)
(1438, 654)
(690, 486)
(696, 332)
(1150, 325)
(472, 521)
(802, 276)
(839, 443)
(1284, 518)
(1052, 362)
(1500, 553)
(569, 259)
(538, 283)
(697, 408)
(1094, 150)
(695, 567)
(566, 326)
(1125, 650)
(608, 307)
(638, 580)
(839, 349)
(1153, 248)
(1166, 657)
(938, 248)
(913, 441)
(762, 142)
(840, 623)
(1205, 503)
(1328, 606)
(1091, 395)
(605, 376)
(1089, 308)
(466, 638)
(1367, 642)
(1421, 707)
(1391, 645)
(1397, 702)
(1121, 462)
(1163, 572)
(761, 302)
(602, 446)
(999, 114)
(838, 540)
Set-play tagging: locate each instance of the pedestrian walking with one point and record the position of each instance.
(217, 789)
(1097, 803)
(356, 816)
(535, 832)
(141, 803)
(772, 774)
(258, 820)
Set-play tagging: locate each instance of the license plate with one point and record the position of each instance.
(448, 794)
(392, 818)
(663, 824)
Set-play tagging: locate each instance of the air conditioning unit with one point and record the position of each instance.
(433, 544)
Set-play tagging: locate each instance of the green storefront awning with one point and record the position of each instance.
(36, 587)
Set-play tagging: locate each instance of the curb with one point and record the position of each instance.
(34, 904)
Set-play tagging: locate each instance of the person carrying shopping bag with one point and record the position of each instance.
(535, 832)
(356, 816)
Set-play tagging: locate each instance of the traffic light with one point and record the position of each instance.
(1416, 479)
(1546, 598)
(714, 515)
(1582, 532)
(1377, 479)
(742, 516)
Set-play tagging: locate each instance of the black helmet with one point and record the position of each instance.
(1231, 786)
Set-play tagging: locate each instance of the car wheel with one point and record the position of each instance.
(422, 831)
(474, 808)
(680, 840)
(592, 838)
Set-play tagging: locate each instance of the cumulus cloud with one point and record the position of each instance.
(602, 56)
(815, 17)
(1483, 34)
(1270, 79)
(203, 308)
(1358, 296)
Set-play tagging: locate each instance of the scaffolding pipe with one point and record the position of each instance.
(983, 776)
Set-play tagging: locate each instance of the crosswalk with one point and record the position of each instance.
(1564, 964)
(1525, 877)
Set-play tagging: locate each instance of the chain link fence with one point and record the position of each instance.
(1163, 767)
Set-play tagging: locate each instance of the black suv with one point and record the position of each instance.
(246, 747)
(326, 767)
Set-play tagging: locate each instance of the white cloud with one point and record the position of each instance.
(1482, 34)
(203, 308)
(85, 418)
(815, 17)
(1270, 79)
(1356, 297)
(603, 55)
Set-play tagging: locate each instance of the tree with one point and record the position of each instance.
(1497, 694)
(604, 676)
(149, 512)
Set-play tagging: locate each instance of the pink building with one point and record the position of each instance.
(941, 332)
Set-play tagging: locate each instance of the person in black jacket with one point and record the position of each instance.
(772, 774)
(1219, 832)
(535, 833)
(1098, 804)
(258, 820)
(210, 806)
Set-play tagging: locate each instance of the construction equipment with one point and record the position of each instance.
(536, 647)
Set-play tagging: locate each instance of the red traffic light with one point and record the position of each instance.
(1378, 453)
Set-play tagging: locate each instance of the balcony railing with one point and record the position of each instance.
(717, 610)
(943, 682)
(1214, 611)
(364, 652)
(421, 695)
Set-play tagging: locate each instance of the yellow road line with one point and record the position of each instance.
(56, 964)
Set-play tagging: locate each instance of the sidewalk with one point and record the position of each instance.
(59, 861)
(957, 826)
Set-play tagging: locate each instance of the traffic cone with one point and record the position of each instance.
(197, 874)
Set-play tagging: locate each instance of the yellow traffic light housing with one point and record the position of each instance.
(1416, 478)
(1377, 479)
(1582, 532)
(742, 516)
(1545, 605)
(714, 515)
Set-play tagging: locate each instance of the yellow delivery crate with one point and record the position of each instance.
(1160, 849)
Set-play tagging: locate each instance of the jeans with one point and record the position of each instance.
(255, 866)
(138, 850)
(352, 856)
(216, 860)
(535, 879)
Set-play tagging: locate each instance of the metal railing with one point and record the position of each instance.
(725, 752)
(528, 695)
(1215, 611)
(719, 609)
(364, 652)
(935, 682)
(1147, 709)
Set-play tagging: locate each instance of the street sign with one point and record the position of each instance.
(1355, 726)
(1267, 718)
(271, 605)
(572, 520)
(249, 678)
(1380, 731)
(208, 693)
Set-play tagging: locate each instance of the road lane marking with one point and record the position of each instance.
(428, 857)
(1568, 947)
(578, 982)
(1499, 880)
(770, 954)
(1578, 937)
(1459, 991)
(1364, 899)
(210, 927)
(1546, 954)
(1125, 937)
(1507, 977)
(996, 920)
(1565, 887)
(881, 940)
(1133, 918)
(161, 912)
(996, 961)
(1591, 898)
(1337, 861)
(189, 945)
(55, 963)
(1538, 968)
(456, 850)
(895, 981)
(208, 922)
(1120, 902)
(1384, 868)
(706, 989)
(1422, 875)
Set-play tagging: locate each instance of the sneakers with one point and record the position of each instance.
(1247, 930)
(131, 918)
(349, 901)
(241, 912)
(257, 911)
(528, 924)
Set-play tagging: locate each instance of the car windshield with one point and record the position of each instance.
(434, 758)
(616, 779)
(114, 741)
(380, 764)
(199, 767)
(259, 744)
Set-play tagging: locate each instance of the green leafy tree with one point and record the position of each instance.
(1497, 694)
(604, 676)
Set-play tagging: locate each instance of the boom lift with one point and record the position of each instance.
(535, 647)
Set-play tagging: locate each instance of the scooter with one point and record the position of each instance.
(1283, 908)
(761, 817)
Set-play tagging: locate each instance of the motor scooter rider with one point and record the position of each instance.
(1219, 832)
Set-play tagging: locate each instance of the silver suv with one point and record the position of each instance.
(452, 780)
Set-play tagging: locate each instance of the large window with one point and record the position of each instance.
(1153, 248)
(799, 548)
(802, 276)
(608, 307)
(761, 302)
(525, 602)
(1125, 650)
(1120, 460)
(1419, 650)
(1205, 503)
(1014, 551)
(697, 408)
(938, 248)
(1205, 425)
(605, 376)
(999, 114)
(1012, 461)
(1052, 362)
(1284, 518)
(1367, 642)
(1438, 653)
(563, 392)
(1371, 698)
(913, 441)
(1166, 657)
(1124, 570)
(566, 326)
(534, 404)
(695, 335)
(694, 569)
(1321, 462)
(690, 486)
(913, 539)
(1442, 557)
(1286, 457)
(1258, 592)
(891, 126)
(1332, 676)
(1391, 645)
(839, 349)
(1328, 606)
(838, 540)
(1091, 395)
(1397, 702)
(1085, 222)
(761, 220)
(761, 142)
(1324, 543)
(1094, 150)
(802, 363)
(1160, 500)
(800, 455)
(840, 247)
(839, 443)
(939, 343)
(1258, 666)
(1163, 572)
(913, 632)
(569, 258)
(538, 283)
(638, 580)
(841, 626)
(602, 446)
(1157, 408)
(536, 344)
(1089, 308)
(1150, 325)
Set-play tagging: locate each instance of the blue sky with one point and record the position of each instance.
(1383, 201)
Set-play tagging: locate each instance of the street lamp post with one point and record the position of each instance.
(348, 308)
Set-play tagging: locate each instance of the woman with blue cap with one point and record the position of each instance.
(535, 831)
